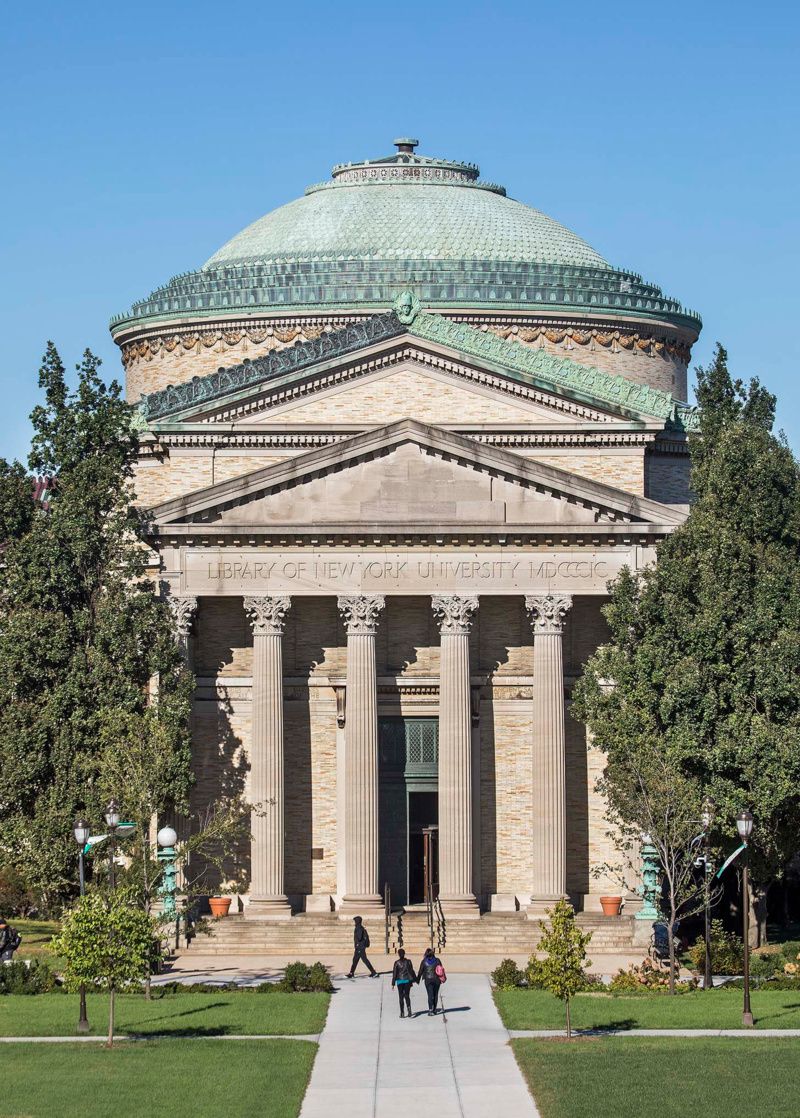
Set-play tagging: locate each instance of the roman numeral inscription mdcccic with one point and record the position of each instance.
(221, 571)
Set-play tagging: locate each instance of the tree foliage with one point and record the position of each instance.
(562, 970)
(82, 631)
(106, 941)
(704, 651)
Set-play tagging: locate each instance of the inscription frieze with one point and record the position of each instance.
(384, 571)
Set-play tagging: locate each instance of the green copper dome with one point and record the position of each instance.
(404, 221)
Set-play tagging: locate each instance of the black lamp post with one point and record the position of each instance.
(709, 810)
(80, 830)
(744, 825)
(112, 822)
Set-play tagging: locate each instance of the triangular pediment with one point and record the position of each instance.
(408, 476)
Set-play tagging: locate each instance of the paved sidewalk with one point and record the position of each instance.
(373, 1065)
(193, 966)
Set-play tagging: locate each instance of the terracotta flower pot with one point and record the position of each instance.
(611, 905)
(219, 905)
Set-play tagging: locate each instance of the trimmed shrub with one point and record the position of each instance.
(19, 977)
(727, 951)
(300, 978)
(319, 979)
(646, 978)
(507, 975)
(791, 950)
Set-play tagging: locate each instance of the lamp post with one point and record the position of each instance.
(709, 811)
(650, 880)
(166, 839)
(744, 825)
(80, 830)
(112, 822)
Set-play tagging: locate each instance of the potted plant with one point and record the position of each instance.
(611, 905)
(220, 904)
(614, 874)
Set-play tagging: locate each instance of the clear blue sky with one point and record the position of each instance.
(140, 137)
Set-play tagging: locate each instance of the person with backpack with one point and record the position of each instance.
(432, 972)
(10, 939)
(360, 943)
(403, 974)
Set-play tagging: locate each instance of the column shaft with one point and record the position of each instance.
(361, 754)
(549, 823)
(455, 755)
(267, 881)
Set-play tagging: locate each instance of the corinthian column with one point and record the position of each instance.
(267, 895)
(182, 607)
(360, 614)
(549, 827)
(455, 755)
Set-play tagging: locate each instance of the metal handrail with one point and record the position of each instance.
(387, 915)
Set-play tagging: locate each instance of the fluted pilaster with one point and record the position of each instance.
(267, 885)
(361, 613)
(454, 614)
(549, 823)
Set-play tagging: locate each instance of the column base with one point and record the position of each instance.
(539, 905)
(270, 908)
(360, 904)
(463, 906)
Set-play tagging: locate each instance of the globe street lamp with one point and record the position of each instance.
(707, 817)
(744, 825)
(80, 830)
(166, 839)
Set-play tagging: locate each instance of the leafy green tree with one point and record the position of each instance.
(107, 941)
(83, 630)
(703, 662)
(562, 969)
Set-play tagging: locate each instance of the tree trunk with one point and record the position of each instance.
(569, 1025)
(147, 991)
(671, 940)
(758, 914)
(111, 1018)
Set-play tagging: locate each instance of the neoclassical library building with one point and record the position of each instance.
(396, 438)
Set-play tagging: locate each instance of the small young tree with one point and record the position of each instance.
(106, 940)
(561, 971)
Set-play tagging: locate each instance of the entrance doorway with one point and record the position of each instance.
(423, 847)
(408, 807)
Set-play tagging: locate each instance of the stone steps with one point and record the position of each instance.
(308, 934)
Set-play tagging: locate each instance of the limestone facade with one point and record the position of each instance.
(386, 515)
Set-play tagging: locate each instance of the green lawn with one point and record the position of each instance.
(181, 1014)
(717, 1009)
(204, 1079)
(36, 936)
(668, 1077)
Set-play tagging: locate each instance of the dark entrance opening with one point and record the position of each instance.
(423, 849)
(408, 805)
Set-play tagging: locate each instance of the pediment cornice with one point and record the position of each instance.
(604, 505)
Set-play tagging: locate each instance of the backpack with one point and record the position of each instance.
(365, 940)
(440, 974)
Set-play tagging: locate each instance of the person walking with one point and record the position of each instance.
(431, 971)
(403, 974)
(10, 940)
(360, 944)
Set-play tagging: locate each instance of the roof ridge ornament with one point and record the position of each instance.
(406, 306)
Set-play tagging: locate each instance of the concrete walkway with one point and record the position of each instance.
(371, 1064)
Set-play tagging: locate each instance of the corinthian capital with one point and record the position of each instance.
(454, 612)
(267, 614)
(182, 608)
(548, 611)
(360, 611)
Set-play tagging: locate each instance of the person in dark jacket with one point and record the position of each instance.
(427, 972)
(403, 974)
(10, 940)
(360, 943)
